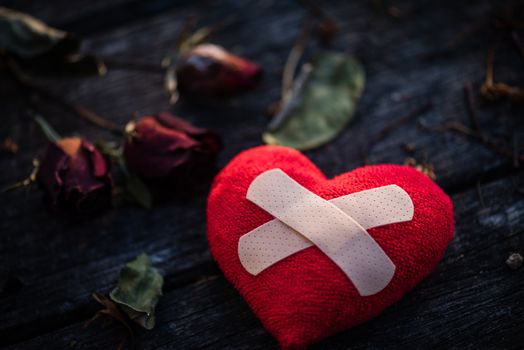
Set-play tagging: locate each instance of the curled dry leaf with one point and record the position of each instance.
(26, 36)
(43, 49)
(324, 99)
(425, 168)
(138, 290)
(111, 311)
(9, 146)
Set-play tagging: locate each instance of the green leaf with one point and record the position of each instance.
(138, 290)
(110, 149)
(43, 49)
(139, 191)
(325, 98)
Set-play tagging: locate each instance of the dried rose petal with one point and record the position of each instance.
(75, 177)
(210, 70)
(168, 150)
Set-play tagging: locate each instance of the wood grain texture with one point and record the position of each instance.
(472, 299)
(49, 266)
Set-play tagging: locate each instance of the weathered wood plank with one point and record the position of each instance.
(471, 301)
(52, 257)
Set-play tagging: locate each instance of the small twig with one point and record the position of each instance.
(492, 90)
(28, 181)
(188, 38)
(326, 27)
(293, 101)
(113, 63)
(470, 105)
(479, 194)
(314, 9)
(363, 153)
(112, 311)
(506, 23)
(518, 45)
(389, 127)
(516, 160)
(291, 64)
(93, 117)
(395, 123)
(454, 43)
(463, 130)
(516, 186)
(25, 82)
(489, 67)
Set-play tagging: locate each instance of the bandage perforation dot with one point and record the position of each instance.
(337, 227)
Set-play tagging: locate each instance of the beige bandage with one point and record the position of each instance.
(337, 227)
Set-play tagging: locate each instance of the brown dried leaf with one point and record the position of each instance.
(111, 311)
(425, 168)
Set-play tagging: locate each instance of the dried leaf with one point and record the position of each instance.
(425, 168)
(28, 182)
(43, 49)
(138, 289)
(111, 311)
(26, 36)
(324, 100)
(9, 146)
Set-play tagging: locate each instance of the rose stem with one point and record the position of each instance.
(112, 63)
(25, 81)
(46, 128)
(464, 131)
(395, 123)
(470, 105)
(518, 45)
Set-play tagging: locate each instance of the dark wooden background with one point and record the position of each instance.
(49, 266)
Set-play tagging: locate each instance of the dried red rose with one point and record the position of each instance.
(168, 150)
(210, 70)
(75, 177)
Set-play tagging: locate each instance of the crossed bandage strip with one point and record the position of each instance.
(337, 227)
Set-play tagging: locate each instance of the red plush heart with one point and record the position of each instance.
(306, 296)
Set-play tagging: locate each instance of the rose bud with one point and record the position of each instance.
(75, 177)
(210, 70)
(168, 151)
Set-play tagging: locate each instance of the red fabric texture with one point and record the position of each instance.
(306, 297)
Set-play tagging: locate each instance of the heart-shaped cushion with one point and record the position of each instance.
(306, 296)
